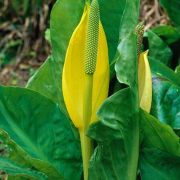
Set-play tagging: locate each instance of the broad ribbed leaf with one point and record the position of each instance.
(65, 16)
(158, 49)
(163, 71)
(166, 94)
(15, 171)
(111, 13)
(43, 80)
(166, 102)
(118, 114)
(126, 62)
(167, 33)
(117, 135)
(130, 18)
(39, 130)
(158, 135)
(158, 165)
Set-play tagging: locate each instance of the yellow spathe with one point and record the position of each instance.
(74, 77)
(144, 82)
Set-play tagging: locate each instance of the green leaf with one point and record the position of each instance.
(112, 131)
(117, 135)
(127, 43)
(166, 102)
(163, 71)
(43, 80)
(15, 170)
(111, 13)
(158, 165)
(172, 7)
(126, 60)
(126, 65)
(167, 33)
(65, 16)
(18, 155)
(158, 49)
(39, 133)
(158, 135)
(130, 18)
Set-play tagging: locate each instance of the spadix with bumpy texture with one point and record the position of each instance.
(139, 32)
(92, 39)
(144, 82)
(87, 53)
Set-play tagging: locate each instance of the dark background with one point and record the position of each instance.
(23, 33)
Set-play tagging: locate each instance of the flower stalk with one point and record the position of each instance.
(91, 50)
(85, 79)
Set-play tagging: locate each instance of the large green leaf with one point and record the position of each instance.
(117, 115)
(43, 81)
(158, 135)
(39, 132)
(117, 134)
(65, 16)
(172, 7)
(168, 33)
(111, 13)
(158, 49)
(16, 171)
(126, 59)
(166, 102)
(130, 18)
(163, 71)
(126, 64)
(158, 165)
(18, 155)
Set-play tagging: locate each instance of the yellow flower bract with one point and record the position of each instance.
(144, 82)
(74, 76)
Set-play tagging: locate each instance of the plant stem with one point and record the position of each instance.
(86, 144)
(86, 148)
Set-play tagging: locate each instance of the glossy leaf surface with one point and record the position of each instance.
(115, 155)
(168, 33)
(17, 171)
(158, 165)
(158, 49)
(38, 129)
(111, 13)
(163, 71)
(158, 135)
(166, 102)
(61, 31)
